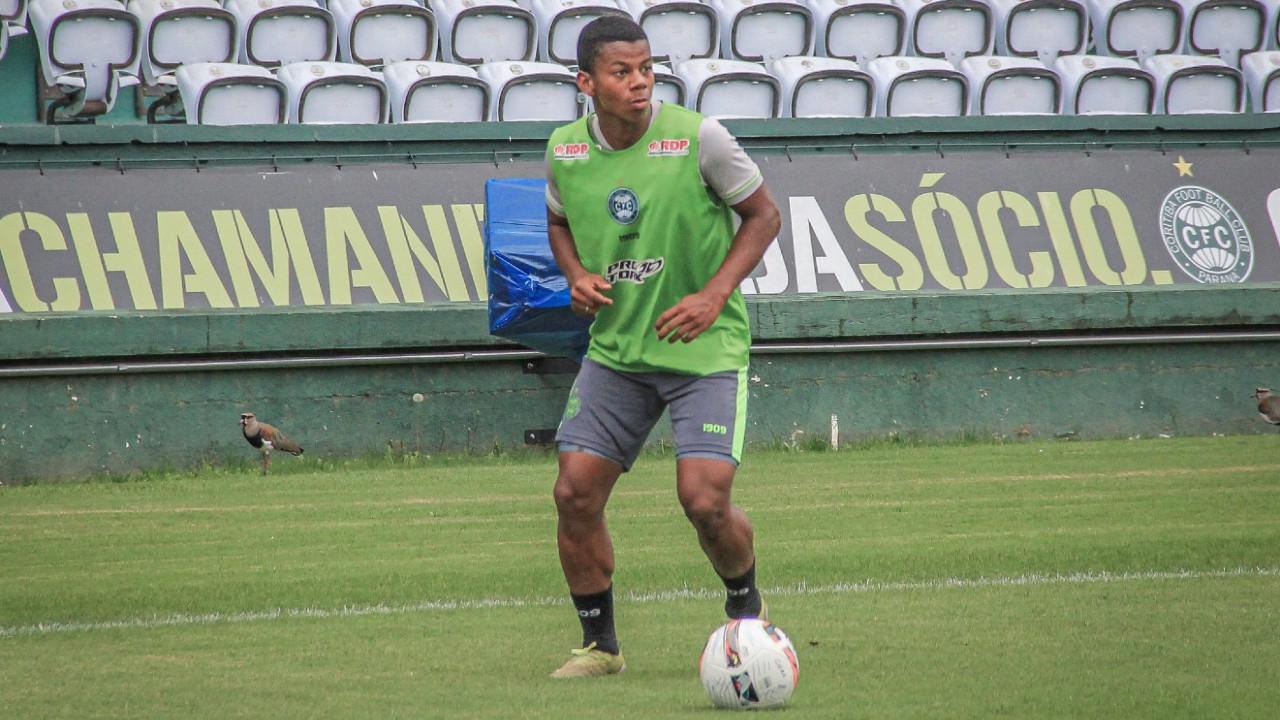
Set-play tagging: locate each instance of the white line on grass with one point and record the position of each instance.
(801, 588)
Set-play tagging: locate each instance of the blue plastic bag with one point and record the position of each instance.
(528, 296)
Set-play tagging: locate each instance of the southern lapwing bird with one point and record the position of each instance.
(1268, 405)
(266, 438)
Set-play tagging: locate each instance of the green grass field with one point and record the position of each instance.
(1124, 579)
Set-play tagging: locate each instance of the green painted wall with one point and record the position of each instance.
(74, 401)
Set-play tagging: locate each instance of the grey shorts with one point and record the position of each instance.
(610, 413)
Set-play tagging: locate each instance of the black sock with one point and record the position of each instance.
(742, 597)
(595, 612)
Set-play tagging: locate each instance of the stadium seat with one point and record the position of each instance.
(521, 91)
(333, 93)
(1043, 29)
(231, 94)
(381, 32)
(1262, 75)
(481, 31)
(279, 32)
(182, 32)
(1226, 28)
(678, 29)
(730, 88)
(916, 87)
(667, 86)
(423, 92)
(1136, 28)
(1194, 84)
(859, 30)
(1271, 26)
(1102, 85)
(763, 30)
(88, 51)
(173, 33)
(948, 29)
(560, 22)
(1003, 85)
(823, 87)
(13, 21)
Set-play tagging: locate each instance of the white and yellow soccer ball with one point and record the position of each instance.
(749, 664)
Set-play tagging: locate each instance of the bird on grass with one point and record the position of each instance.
(1268, 405)
(266, 438)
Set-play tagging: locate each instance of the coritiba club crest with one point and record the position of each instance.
(1206, 236)
(624, 206)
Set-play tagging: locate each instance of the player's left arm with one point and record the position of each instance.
(690, 317)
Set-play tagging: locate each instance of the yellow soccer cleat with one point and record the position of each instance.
(589, 662)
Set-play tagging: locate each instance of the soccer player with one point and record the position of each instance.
(641, 198)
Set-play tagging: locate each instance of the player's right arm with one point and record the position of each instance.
(586, 289)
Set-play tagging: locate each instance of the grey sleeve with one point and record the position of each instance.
(726, 168)
(553, 190)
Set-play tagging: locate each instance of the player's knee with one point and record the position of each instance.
(707, 512)
(574, 499)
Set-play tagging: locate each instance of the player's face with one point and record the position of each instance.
(621, 80)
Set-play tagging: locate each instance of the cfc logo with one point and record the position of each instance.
(624, 206)
(1206, 236)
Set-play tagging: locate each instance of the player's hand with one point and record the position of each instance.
(586, 294)
(689, 318)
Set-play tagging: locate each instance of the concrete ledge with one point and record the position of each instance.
(79, 336)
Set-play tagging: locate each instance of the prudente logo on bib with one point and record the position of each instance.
(669, 147)
(634, 270)
(1206, 236)
(571, 151)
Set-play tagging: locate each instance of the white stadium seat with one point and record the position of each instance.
(424, 92)
(763, 30)
(667, 86)
(948, 29)
(1136, 28)
(1226, 28)
(560, 22)
(823, 87)
(1103, 85)
(859, 30)
(279, 32)
(1271, 28)
(181, 32)
(521, 91)
(918, 87)
(333, 93)
(1043, 29)
(88, 51)
(381, 32)
(1262, 75)
(730, 88)
(231, 94)
(480, 31)
(13, 21)
(1195, 84)
(677, 29)
(173, 33)
(1011, 86)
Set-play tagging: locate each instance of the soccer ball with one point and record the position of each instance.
(749, 664)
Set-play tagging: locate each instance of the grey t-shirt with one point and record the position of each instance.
(726, 168)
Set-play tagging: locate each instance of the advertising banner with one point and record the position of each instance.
(160, 239)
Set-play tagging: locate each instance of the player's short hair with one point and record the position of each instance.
(603, 30)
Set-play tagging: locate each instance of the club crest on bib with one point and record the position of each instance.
(624, 206)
